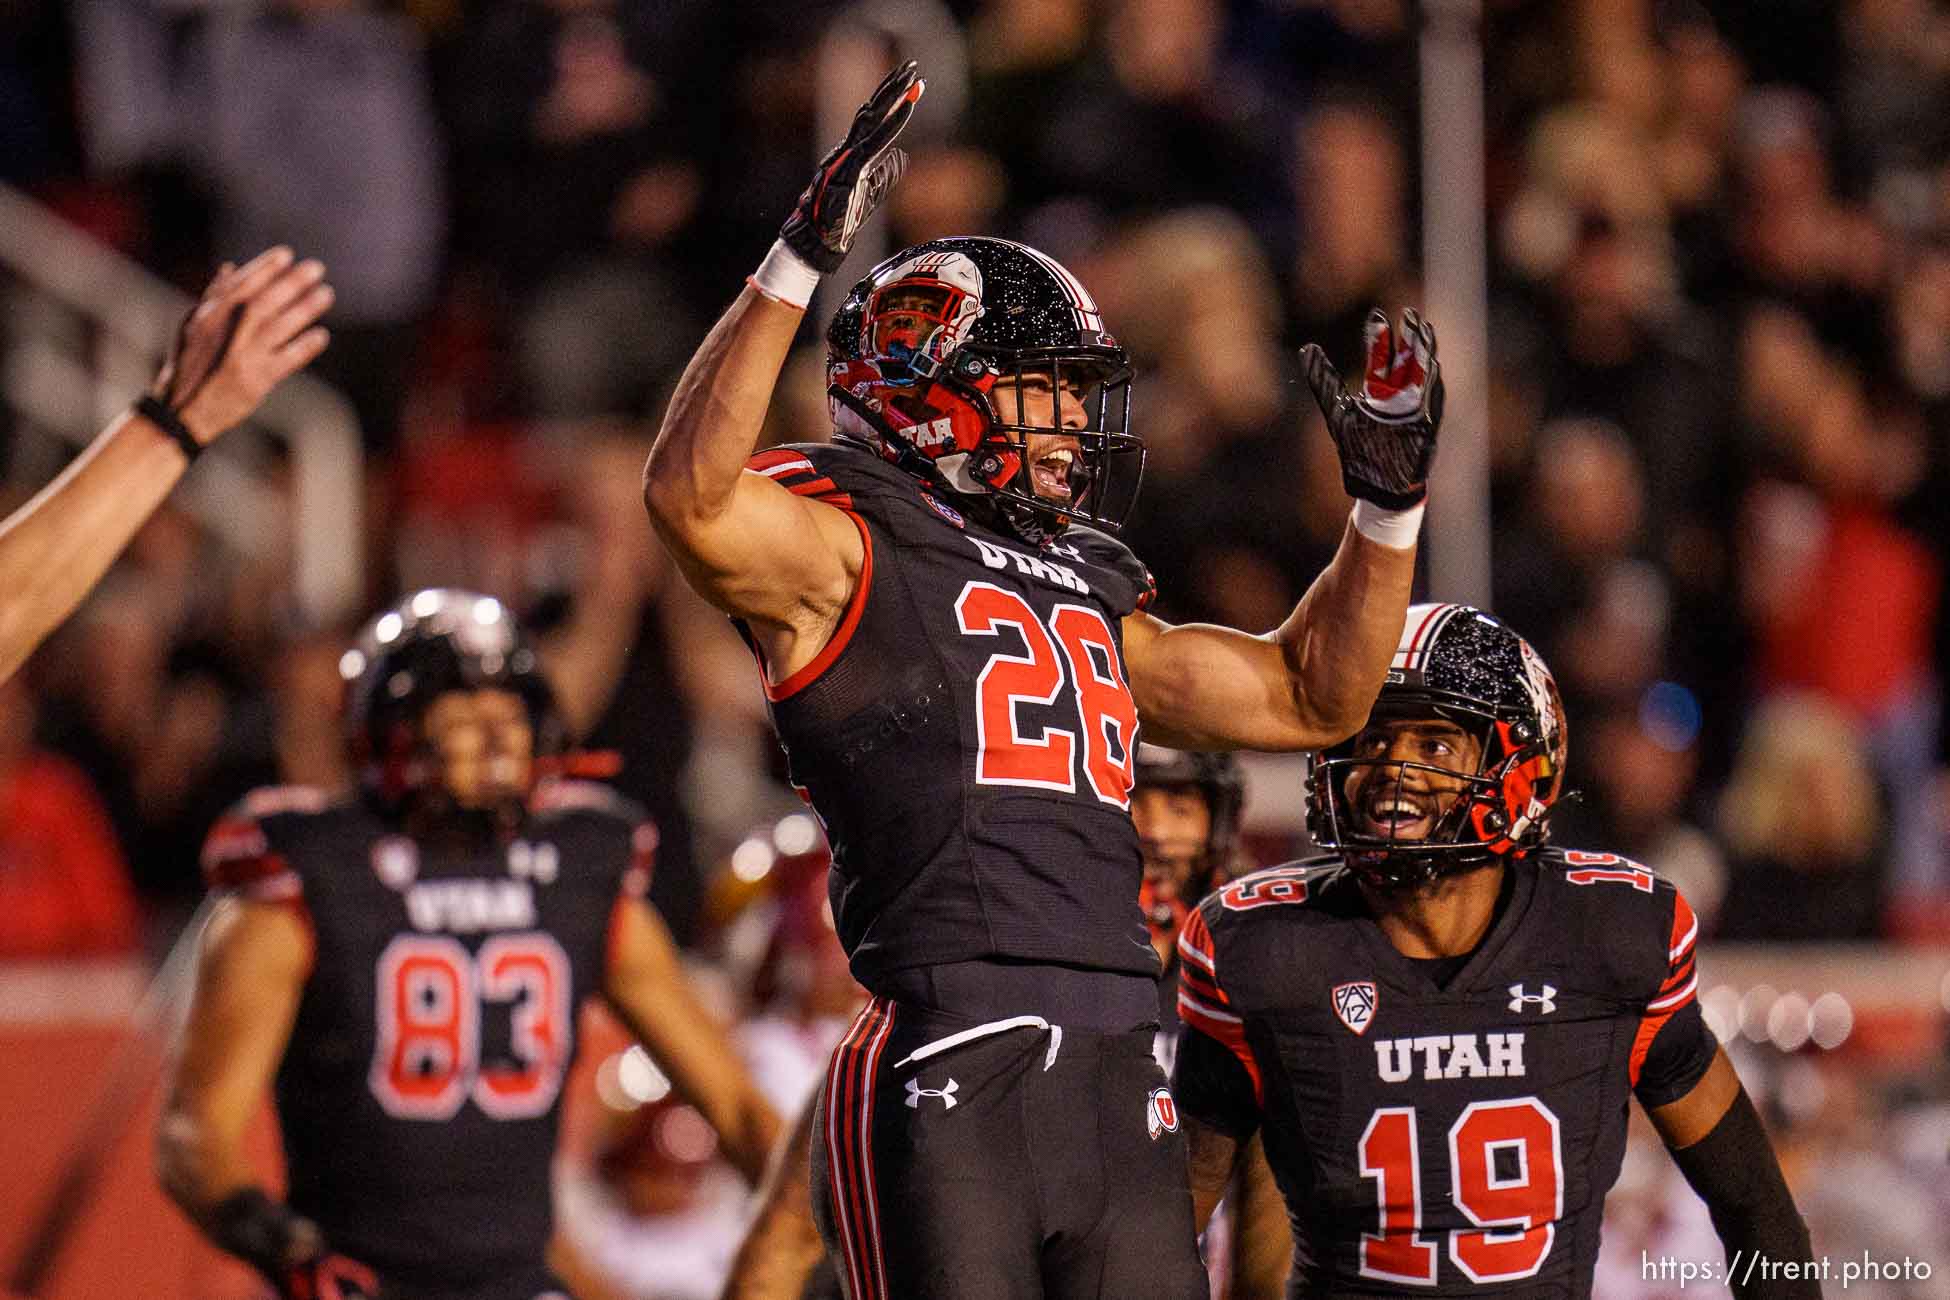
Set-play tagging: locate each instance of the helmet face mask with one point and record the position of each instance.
(952, 358)
(1456, 667)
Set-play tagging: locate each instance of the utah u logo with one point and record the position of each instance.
(915, 1092)
(1355, 1003)
(1547, 1000)
(1160, 1113)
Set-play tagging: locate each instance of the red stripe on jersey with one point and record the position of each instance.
(1202, 1001)
(1649, 1027)
(1202, 985)
(817, 487)
(1195, 947)
(1679, 976)
(1685, 929)
(771, 460)
(1222, 1027)
(841, 635)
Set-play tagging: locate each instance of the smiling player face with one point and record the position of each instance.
(1394, 794)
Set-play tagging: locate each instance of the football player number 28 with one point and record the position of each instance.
(431, 991)
(1077, 636)
(1506, 1175)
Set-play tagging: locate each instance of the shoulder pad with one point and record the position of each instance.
(241, 855)
(837, 475)
(560, 795)
(567, 797)
(1639, 922)
(1107, 552)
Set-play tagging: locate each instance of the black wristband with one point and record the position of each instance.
(157, 412)
(256, 1229)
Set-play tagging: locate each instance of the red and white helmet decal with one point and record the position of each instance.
(928, 305)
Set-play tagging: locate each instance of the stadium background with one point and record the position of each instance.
(1718, 394)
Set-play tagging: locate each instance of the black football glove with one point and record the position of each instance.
(853, 178)
(1385, 433)
(289, 1250)
(330, 1277)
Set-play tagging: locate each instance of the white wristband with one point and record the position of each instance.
(783, 277)
(1396, 528)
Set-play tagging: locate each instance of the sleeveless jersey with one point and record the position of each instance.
(1443, 1140)
(419, 1092)
(967, 735)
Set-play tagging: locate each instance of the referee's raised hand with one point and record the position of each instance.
(256, 325)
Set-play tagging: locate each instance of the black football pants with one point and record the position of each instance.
(1010, 1160)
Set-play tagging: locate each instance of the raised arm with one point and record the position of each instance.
(254, 327)
(1310, 682)
(786, 564)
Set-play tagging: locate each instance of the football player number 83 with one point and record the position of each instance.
(1078, 636)
(1506, 1175)
(426, 1062)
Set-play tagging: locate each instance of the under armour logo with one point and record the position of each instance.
(915, 1092)
(1548, 998)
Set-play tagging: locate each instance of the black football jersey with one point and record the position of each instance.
(418, 1095)
(967, 736)
(1441, 1137)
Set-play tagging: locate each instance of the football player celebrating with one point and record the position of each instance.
(403, 970)
(958, 656)
(1436, 1030)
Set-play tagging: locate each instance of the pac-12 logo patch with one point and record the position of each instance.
(1355, 1003)
(946, 511)
(1160, 1113)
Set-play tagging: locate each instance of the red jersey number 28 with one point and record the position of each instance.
(1074, 650)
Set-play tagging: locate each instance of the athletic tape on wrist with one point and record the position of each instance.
(1396, 528)
(783, 277)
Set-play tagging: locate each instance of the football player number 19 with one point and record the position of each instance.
(426, 1061)
(1506, 1173)
(1103, 703)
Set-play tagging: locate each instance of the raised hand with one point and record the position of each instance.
(855, 176)
(255, 326)
(1385, 433)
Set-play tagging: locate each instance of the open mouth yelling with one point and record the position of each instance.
(1051, 473)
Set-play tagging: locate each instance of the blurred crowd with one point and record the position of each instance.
(1719, 378)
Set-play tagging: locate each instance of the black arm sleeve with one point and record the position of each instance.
(1734, 1171)
(1679, 1056)
(1209, 1084)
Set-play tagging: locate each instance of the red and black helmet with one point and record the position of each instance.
(918, 346)
(1467, 667)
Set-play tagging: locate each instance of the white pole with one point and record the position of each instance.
(1455, 257)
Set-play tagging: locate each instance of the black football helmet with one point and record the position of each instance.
(1470, 668)
(919, 344)
(1216, 776)
(434, 641)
